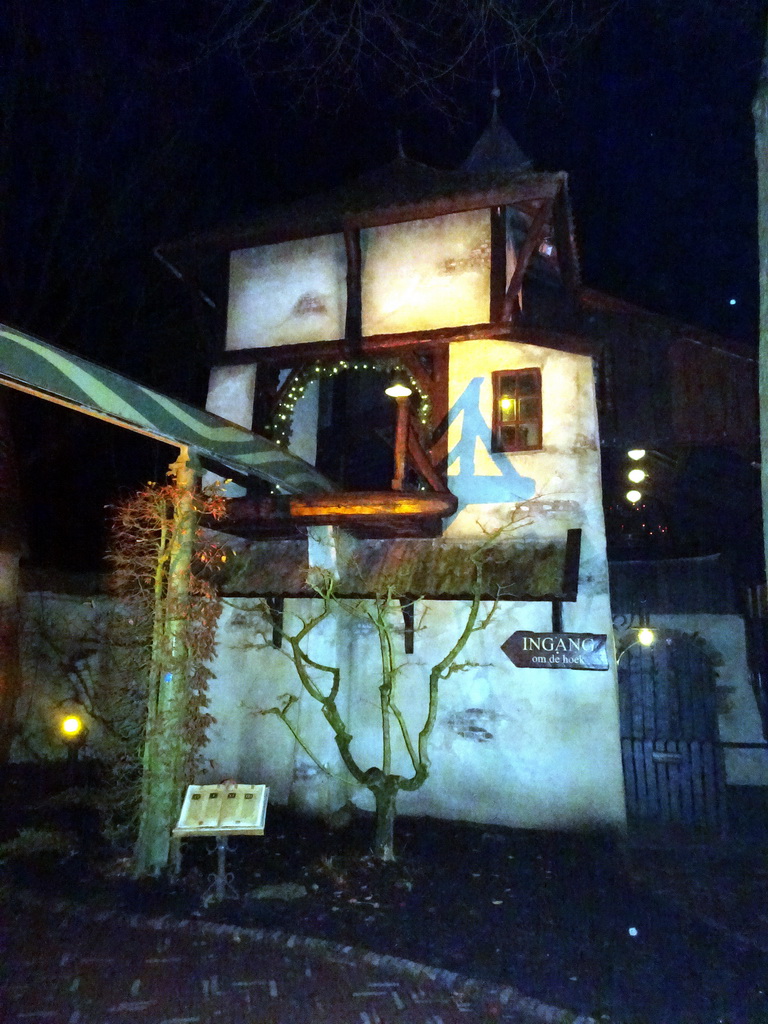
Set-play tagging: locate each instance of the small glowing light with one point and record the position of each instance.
(634, 496)
(632, 932)
(72, 726)
(636, 454)
(646, 637)
(507, 404)
(398, 390)
(636, 475)
(731, 302)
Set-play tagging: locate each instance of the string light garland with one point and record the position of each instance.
(281, 425)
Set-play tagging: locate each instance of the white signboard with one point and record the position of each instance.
(227, 809)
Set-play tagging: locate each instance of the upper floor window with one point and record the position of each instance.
(516, 410)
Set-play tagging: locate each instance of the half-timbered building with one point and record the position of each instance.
(420, 278)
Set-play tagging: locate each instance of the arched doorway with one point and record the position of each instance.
(673, 767)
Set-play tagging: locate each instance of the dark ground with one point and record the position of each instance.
(589, 923)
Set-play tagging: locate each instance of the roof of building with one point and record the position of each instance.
(402, 190)
(496, 172)
(431, 568)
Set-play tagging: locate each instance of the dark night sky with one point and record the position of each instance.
(125, 128)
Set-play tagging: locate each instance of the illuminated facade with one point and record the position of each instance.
(422, 274)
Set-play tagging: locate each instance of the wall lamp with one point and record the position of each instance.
(398, 387)
(640, 636)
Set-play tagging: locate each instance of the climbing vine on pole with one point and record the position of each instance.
(162, 569)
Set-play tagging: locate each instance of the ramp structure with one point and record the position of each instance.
(38, 368)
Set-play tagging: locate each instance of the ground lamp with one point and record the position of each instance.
(401, 391)
(74, 733)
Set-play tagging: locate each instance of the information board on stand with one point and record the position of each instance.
(230, 808)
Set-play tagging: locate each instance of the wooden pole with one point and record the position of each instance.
(401, 443)
(760, 113)
(165, 748)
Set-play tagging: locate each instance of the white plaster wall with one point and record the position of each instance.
(427, 273)
(524, 747)
(560, 484)
(231, 392)
(304, 433)
(415, 276)
(251, 678)
(288, 293)
(535, 748)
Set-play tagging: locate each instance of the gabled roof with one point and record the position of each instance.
(38, 368)
(402, 190)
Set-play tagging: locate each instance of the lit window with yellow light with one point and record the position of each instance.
(517, 416)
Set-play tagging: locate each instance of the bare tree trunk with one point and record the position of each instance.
(165, 746)
(760, 112)
(386, 806)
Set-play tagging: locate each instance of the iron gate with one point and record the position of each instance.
(673, 765)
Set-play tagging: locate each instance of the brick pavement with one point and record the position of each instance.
(65, 965)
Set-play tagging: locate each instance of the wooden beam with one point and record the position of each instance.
(557, 615)
(565, 245)
(422, 461)
(284, 355)
(372, 503)
(367, 509)
(498, 281)
(265, 396)
(353, 326)
(413, 365)
(291, 355)
(570, 584)
(276, 607)
(406, 604)
(285, 387)
(532, 241)
(535, 187)
(438, 447)
(433, 341)
(402, 438)
(283, 225)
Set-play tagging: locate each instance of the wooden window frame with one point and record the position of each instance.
(497, 442)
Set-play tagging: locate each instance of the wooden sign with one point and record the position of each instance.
(227, 809)
(586, 651)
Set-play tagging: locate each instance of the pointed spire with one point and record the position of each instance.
(496, 150)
